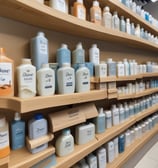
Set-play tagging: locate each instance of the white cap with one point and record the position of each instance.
(79, 45)
(109, 60)
(40, 34)
(45, 65)
(17, 116)
(26, 61)
(95, 3)
(128, 20)
(101, 110)
(2, 121)
(94, 45)
(80, 1)
(106, 9)
(64, 46)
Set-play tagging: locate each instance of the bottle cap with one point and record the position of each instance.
(94, 45)
(115, 12)
(101, 111)
(26, 61)
(95, 3)
(17, 116)
(38, 116)
(2, 52)
(79, 45)
(64, 46)
(66, 131)
(40, 34)
(106, 9)
(2, 121)
(66, 64)
(45, 65)
(109, 60)
(128, 20)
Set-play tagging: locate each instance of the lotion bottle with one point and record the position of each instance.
(121, 113)
(101, 70)
(116, 147)
(101, 156)
(79, 10)
(108, 117)
(137, 30)
(94, 54)
(92, 161)
(83, 164)
(115, 21)
(126, 67)
(45, 81)
(26, 79)
(111, 151)
(107, 18)
(111, 67)
(115, 115)
(122, 24)
(128, 26)
(121, 143)
(61, 5)
(120, 69)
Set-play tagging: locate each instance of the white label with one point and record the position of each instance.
(68, 79)
(48, 81)
(85, 78)
(81, 13)
(4, 139)
(5, 74)
(43, 49)
(61, 5)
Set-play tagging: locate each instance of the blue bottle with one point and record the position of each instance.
(121, 143)
(17, 132)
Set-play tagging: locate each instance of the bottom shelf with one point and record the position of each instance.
(4, 162)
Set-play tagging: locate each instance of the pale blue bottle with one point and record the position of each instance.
(17, 132)
(122, 24)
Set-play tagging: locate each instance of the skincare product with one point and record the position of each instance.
(101, 156)
(79, 10)
(108, 118)
(111, 67)
(61, 5)
(121, 143)
(110, 151)
(107, 18)
(101, 70)
(115, 21)
(115, 115)
(94, 54)
(92, 161)
(116, 147)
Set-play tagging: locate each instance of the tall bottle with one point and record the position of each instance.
(115, 115)
(101, 155)
(26, 79)
(137, 30)
(17, 132)
(79, 10)
(122, 24)
(128, 26)
(61, 5)
(39, 50)
(95, 13)
(6, 75)
(94, 54)
(4, 137)
(115, 21)
(107, 17)
(92, 160)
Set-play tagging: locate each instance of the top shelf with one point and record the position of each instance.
(37, 14)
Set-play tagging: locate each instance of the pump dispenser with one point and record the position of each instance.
(79, 10)
(107, 17)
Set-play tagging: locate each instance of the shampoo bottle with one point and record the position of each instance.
(92, 161)
(115, 115)
(111, 151)
(26, 79)
(6, 75)
(116, 147)
(79, 10)
(121, 113)
(122, 24)
(94, 54)
(128, 26)
(101, 70)
(121, 143)
(83, 164)
(17, 132)
(120, 69)
(45, 81)
(126, 66)
(111, 67)
(108, 117)
(107, 18)
(115, 21)
(61, 5)
(101, 155)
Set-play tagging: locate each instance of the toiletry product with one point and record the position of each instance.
(107, 17)
(131, 67)
(120, 69)
(121, 143)
(108, 118)
(63, 55)
(137, 30)
(132, 29)
(89, 65)
(101, 70)
(127, 138)
(17, 132)
(64, 144)
(96, 13)
(39, 148)
(78, 55)
(26, 79)
(122, 24)
(61, 5)
(128, 26)
(101, 156)
(111, 67)
(84, 133)
(83, 164)
(94, 54)
(79, 10)
(100, 121)
(66, 79)
(92, 161)
(126, 67)
(6, 75)
(82, 79)
(4, 137)
(45, 81)
(110, 151)
(39, 50)
(121, 113)
(116, 147)
(115, 115)
(115, 21)
(126, 109)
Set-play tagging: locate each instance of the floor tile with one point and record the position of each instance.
(147, 163)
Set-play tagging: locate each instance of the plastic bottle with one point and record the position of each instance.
(126, 108)
(107, 17)
(79, 10)
(121, 113)
(4, 137)
(111, 67)
(116, 147)
(122, 24)
(108, 118)
(6, 75)
(96, 13)
(17, 132)
(115, 21)
(101, 70)
(128, 26)
(82, 79)
(83, 164)
(61, 5)
(101, 156)
(120, 69)
(39, 50)
(132, 29)
(66, 79)
(115, 115)
(45, 81)
(94, 54)
(137, 30)
(92, 161)
(110, 151)
(121, 143)
(26, 79)
(64, 144)
(126, 67)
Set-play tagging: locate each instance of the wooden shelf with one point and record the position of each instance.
(31, 12)
(154, 74)
(4, 162)
(42, 102)
(128, 96)
(23, 158)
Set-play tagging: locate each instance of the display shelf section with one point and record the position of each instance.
(23, 158)
(4, 162)
(132, 149)
(34, 13)
(42, 102)
(125, 96)
(153, 74)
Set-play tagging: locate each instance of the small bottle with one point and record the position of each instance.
(94, 54)
(17, 132)
(64, 144)
(61, 5)
(116, 147)
(26, 79)
(79, 10)
(111, 67)
(82, 79)
(63, 55)
(45, 81)
(92, 161)
(127, 139)
(66, 79)
(137, 30)
(115, 115)
(4, 137)
(39, 50)
(126, 67)
(120, 69)
(110, 151)
(101, 156)
(96, 13)
(107, 17)
(108, 117)
(6, 75)
(101, 70)
(122, 24)
(128, 26)
(115, 21)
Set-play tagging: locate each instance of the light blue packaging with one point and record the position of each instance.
(90, 66)
(121, 113)
(142, 33)
(63, 55)
(111, 67)
(126, 110)
(132, 29)
(17, 132)
(122, 24)
(39, 50)
(131, 109)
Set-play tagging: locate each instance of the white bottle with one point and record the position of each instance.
(137, 30)
(92, 161)
(121, 113)
(64, 144)
(128, 26)
(45, 81)
(66, 79)
(126, 109)
(101, 70)
(108, 118)
(61, 5)
(107, 17)
(82, 79)
(26, 76)
(115, 115)
(120, 69)
(127, 138)
(135, 64)
(111, 152)
(116, 147)
(94, 54)
(131, 67)
(101, 155)
(126, 66)
(122, 24)
(115, 21)
(83, 164)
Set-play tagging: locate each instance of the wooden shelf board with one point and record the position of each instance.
(23, 158)
(146, 92)
(128, 96)
(154, 74)
(126, 78)
(4, 161)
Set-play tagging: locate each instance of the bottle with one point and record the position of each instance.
(101, 70)
(115, 21)
(79, 10)
(45, 81)
(64, 144)
(128, 26)
(100, 122)
(116, 147)
(101, 156)
(6, 75)
(92, 161)
(39, 50)
(127, 138)
(126, 108)
(17, 132)
(107, 17)
(26, 79)
(94, 54)
(96, 13)
(120, 69)
(121, 143)
(132, 29)
(121, 113)
(108, 119)
(78, 55)
(4, 137)
(137, 30)
(66, 79)
(115, 115)
(122, 24)
(111, 152)
(82, 79)
(63, 55)
(61, 5)
(83, 164)
(111, 67)
(126, 67)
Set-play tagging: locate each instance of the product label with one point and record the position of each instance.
(43, 49)
(48, 81)
(85, 78)
(68, 144)
(5, 75)
(68, 79)
(103, 71)
(81, 13)
(19, 132)
(61, 5)
(4, 139)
